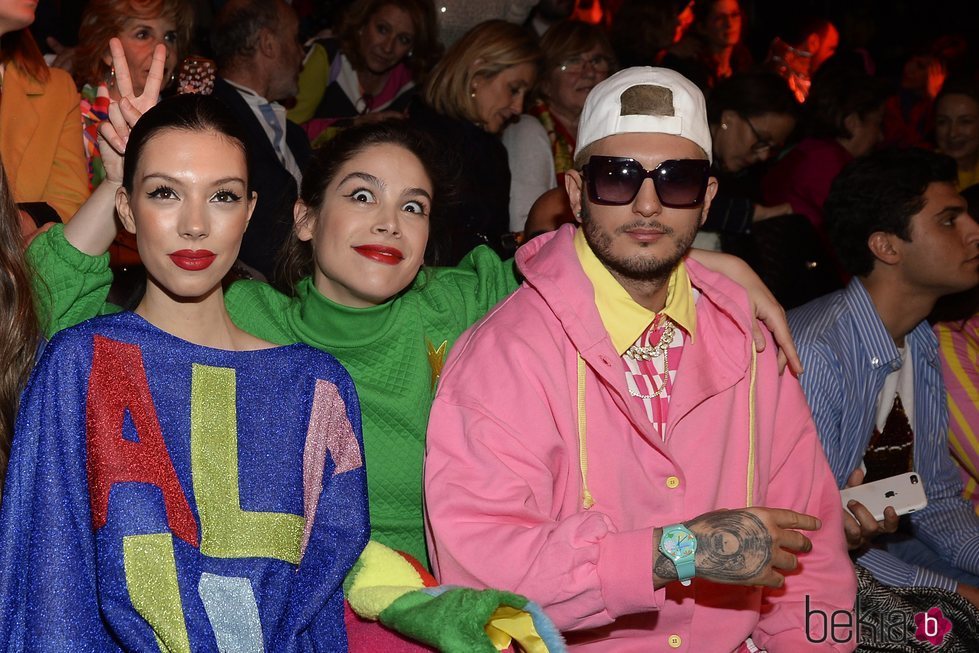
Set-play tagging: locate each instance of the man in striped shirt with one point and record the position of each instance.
(872, 376)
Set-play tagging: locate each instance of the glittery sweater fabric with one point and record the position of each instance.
(168, 496)
(393, 352)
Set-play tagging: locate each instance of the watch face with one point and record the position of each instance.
(679, 545)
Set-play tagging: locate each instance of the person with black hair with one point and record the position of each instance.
(751, 116)
(872, 378)
(176, 481)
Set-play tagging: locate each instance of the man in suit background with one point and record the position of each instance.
(258, 54)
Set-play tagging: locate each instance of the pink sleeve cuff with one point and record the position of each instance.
(625, 570)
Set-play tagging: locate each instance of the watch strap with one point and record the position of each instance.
(685, 566)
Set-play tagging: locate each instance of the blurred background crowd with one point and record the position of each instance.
(795, 91)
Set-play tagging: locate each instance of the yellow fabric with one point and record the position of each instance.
(151, 579)
(370, 602)
(624, 319)
(968, 177)
(313, 80)
(436, 359)
(384, 577)
(959, 368)
(41, 140)
(587, 501)
(508, 624)
(752, 431)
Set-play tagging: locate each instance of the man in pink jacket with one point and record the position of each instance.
(608, 442)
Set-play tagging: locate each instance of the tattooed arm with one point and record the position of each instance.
(742, 547)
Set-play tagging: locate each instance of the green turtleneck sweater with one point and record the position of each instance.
(394, 353)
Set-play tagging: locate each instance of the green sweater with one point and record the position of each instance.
(393, 352)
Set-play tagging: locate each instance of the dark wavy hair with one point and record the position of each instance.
(189, 112)
(880, 192)
(959, 85)
(234, 34)
(426, 48)
(751, 94)
(838, 92)
(641, 29)
(296, 259)
(19, 330)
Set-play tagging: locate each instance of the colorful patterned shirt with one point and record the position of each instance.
(164, 495)
(958, 348)
(95, 109)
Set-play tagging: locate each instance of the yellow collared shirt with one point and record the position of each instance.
(624, 319)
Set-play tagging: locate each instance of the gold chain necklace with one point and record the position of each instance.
(649, 352)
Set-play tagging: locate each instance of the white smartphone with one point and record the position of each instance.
(905, 492)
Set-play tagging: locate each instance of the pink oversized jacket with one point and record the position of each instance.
(503, 477)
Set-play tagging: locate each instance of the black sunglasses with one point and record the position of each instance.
(615, 180)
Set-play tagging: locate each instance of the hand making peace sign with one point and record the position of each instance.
(114, 132)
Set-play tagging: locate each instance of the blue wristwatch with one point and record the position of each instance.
(679, 545)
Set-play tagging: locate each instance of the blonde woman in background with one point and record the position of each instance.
(477, 88)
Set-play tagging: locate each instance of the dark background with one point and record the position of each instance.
(888, 30)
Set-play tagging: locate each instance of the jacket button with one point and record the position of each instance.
(672, 482)
(674, 641)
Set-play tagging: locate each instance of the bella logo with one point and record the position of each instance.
(932, 626)
(876, 625)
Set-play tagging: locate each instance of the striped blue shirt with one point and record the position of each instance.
(847, 353)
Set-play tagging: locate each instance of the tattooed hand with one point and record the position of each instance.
(743, 547)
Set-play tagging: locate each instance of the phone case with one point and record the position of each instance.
(905, 492)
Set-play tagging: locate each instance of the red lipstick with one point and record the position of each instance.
(193, 259)
(380, 253)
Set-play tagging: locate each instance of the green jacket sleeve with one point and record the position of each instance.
(262, 311)
(485, 278)
(69, 285)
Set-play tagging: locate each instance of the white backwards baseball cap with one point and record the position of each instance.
(645, 100)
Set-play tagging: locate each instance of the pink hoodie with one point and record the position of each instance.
(505, 462)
